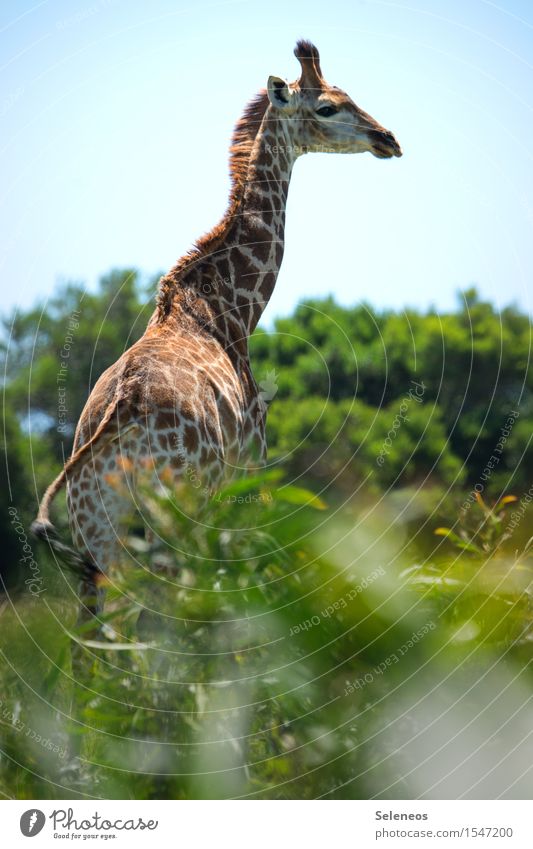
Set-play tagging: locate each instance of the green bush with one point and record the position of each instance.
(284, 651)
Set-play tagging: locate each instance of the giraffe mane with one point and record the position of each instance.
(242, 142)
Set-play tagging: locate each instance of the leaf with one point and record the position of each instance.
(301, 496)
(469, 546)
(464, 544)
(250, 483)
(437, 581)
(56, 669)
(482, 504)
(507, 499)
(99, 644)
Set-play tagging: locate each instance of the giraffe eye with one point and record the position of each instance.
(327, 111)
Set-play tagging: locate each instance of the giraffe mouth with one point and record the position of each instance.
(384, 144)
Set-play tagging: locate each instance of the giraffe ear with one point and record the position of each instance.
(279, 93)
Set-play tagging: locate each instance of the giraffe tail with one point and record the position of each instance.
(43, 528)
(82, 564)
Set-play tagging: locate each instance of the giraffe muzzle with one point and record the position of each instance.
(384, 144)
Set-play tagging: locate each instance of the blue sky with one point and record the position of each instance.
(115, 118)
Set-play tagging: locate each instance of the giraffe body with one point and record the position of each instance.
(180, 402)
(184, 396)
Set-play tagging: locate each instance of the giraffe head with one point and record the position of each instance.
(323, 118)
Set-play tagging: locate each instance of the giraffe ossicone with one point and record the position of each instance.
(184, 396)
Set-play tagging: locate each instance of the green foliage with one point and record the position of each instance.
(278, 645)
(341, 445)
(474, 365)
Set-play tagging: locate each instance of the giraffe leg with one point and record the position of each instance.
(91, 596)
(98, 509)
(91, 603)
(152, 625)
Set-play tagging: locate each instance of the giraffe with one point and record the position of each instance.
(184, 395)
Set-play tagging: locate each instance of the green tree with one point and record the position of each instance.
(54, 353)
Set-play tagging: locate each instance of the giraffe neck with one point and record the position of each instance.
(258, 243)
(228, 285)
